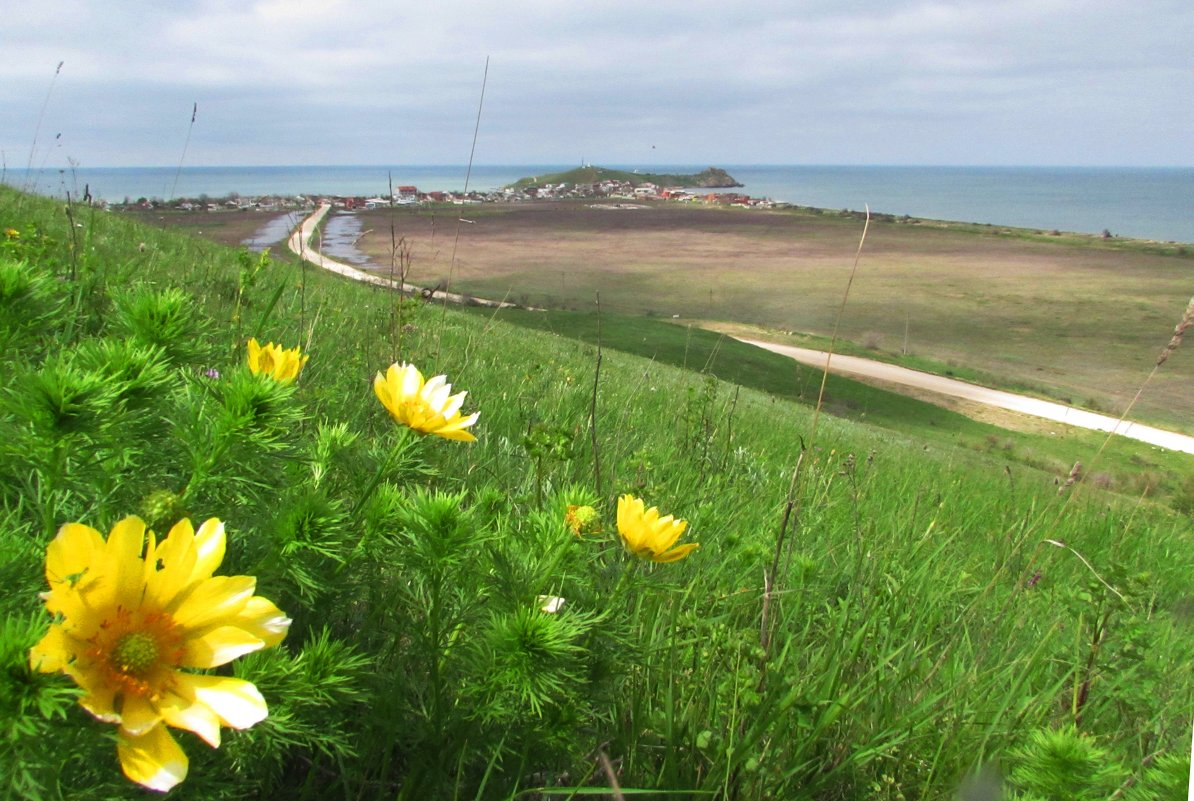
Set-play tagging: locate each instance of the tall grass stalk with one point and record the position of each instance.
(185, 145)
(467, 176)
(30, 178)
(791, 508)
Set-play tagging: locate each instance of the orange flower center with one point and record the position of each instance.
(133, 648)
(579, 518)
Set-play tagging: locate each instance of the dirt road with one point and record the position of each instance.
(865, 368)
(298, 243)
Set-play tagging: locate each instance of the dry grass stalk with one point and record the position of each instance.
(1075, 474)
(468, 174)
(791, 504)
(1178, 332)
(611, 776)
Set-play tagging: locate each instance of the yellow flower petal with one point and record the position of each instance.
(263, 620)
(138, 716)
(677, 553)
(666, 531)
(170, 565)
(254, 355)
(71, 553)
(213, 600)
(153, 759)
(53, 652)
(236, 702)
(120, 570)
(210, 542)
(186, 558)
(410, 380)
(381, 388)
(99, 697)
(218, 647)
(192, 716)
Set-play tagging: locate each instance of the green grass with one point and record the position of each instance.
(920, 625)
(1129, 466)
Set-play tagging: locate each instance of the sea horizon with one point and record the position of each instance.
(1131, 201)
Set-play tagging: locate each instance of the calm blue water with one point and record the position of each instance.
(1147, 203)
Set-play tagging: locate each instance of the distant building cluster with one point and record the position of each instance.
(625, 190)
(410, 195)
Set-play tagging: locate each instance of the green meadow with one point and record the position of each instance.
(888, 601)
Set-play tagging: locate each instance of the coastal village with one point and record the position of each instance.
(611, 190)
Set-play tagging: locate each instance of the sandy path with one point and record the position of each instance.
(865, 368)
(298, 243)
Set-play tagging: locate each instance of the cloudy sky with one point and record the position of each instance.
(1051, 82)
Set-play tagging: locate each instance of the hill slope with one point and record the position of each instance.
(894, 617)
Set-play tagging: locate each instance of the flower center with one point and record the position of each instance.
(135, 653)
(132, 649)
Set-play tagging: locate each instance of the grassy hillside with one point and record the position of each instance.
(872, 612)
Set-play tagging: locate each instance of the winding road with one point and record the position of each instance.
(951, 387)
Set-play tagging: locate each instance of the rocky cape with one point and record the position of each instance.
(710, 178)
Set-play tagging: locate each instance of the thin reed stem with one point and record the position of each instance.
(467, 177)
(1176, 340)
(791, 506)
(41, 115)
(593, 407)
(186, 144)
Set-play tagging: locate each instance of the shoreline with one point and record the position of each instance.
(1143, 203)
(280, 207)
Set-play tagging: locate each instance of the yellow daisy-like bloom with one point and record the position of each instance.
(126, 624)
(278, 363)
(649, 536)
(427, 407)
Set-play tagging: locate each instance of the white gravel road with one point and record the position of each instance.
(866, 368)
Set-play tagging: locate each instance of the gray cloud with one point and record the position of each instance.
(333, 81)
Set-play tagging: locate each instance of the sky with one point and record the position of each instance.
(682, 82)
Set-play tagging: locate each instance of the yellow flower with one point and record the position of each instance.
(126, 625)
(427, 407)
(273, 360)
(649, 536)
(12, 233)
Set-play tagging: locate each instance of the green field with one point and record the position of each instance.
(889, 600)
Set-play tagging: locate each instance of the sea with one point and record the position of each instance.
(1140, 202)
